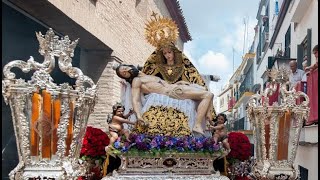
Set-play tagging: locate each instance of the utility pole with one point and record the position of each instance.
(244, 34)
(232, 59)
(247, 31)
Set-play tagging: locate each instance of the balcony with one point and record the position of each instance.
(243, 99)
(311, 88)
(231, 103)
(265, 38)
(238, 125)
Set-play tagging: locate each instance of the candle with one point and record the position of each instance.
(56, 120)
(35, 113)
(283, 138)
(46, 130)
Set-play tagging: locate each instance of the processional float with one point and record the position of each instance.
(170, 120)
(49, 120)
(277, 127)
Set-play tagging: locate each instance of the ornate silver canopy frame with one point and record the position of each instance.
(277, 128)
(49, 120)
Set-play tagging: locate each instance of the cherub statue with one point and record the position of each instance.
(220, 132)
(116, 128)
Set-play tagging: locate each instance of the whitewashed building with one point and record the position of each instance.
(288, 30)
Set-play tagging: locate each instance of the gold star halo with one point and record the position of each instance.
(161, 31)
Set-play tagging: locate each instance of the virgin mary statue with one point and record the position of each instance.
(165, 115)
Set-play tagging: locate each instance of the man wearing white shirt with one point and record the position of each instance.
(304, 65)
(296, 74)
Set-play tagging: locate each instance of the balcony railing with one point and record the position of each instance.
(238, 125)
(231, 103)
(311, 88)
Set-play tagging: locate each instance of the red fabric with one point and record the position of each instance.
(274, 97)
(231, 103)
(312, 92)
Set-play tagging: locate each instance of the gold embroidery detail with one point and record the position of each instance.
(166, 121)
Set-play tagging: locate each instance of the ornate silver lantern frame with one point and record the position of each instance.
(49, 120)
(277, 128)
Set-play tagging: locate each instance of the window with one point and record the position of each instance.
(259, 46)
(304, 47)
(303, 173)
(221, 102)
(287, 43)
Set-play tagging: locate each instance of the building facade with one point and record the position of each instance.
(292, 28)
(286, 30)
(108, 31)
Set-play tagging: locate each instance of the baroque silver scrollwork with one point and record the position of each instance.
(268, 164)
(18, 93)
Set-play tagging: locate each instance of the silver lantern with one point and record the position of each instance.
(49, 120)
(277, 127)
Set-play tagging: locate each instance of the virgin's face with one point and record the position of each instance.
(168, 54)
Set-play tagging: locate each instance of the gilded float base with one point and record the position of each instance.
(216, 176)
(167, 166)
(265, 171)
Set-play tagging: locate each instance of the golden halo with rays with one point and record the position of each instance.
(161, 31)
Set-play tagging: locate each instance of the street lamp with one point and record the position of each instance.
(277, 128)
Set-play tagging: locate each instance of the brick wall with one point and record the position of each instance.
(108, 95)
(120, 25)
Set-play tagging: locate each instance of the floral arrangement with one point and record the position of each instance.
(240, 146)
(159, 143)
(94, 142)
(93, 152)
(239, 157)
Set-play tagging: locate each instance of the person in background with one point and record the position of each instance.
(295, 74)
(315, 65)
(304, 66)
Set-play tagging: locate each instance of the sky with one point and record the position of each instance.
(216, 27)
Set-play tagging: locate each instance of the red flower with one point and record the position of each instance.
(240, 146)
(94, 142)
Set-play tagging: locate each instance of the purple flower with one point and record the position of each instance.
(117, 144)
(144, 142)
(180, 143)
(216, 147)
(169, 143)
(154, 144)
(199, 145)
(142, 146)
